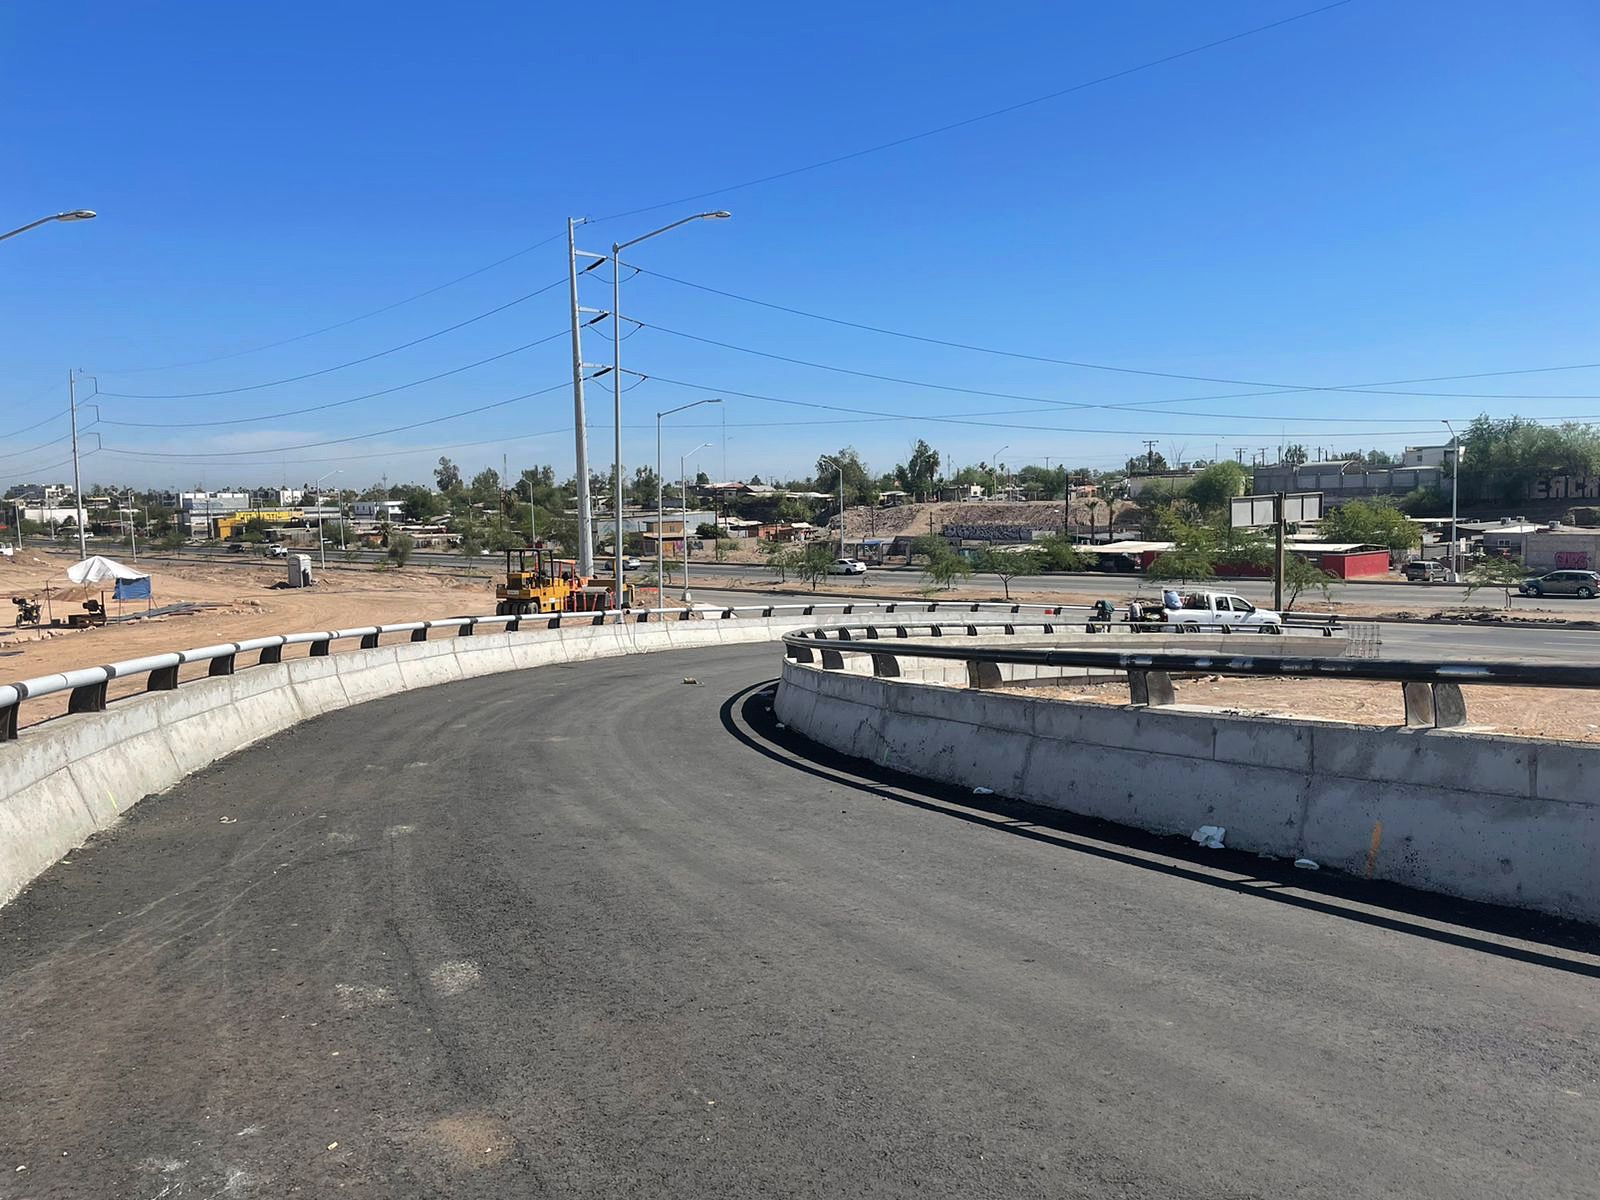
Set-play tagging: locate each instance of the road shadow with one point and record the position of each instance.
(747, 715)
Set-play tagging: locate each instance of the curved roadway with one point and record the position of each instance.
(601, 931)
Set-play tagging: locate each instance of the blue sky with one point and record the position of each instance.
(1376, 192)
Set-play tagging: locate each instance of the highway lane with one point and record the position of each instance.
(1091, 583)
(596, 931)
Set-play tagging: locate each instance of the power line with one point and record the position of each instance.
(749, 183)
(300, 337)
(1274, 389)
(295, 412)
(36, 425)
(953, 420)
(360, 437)
(255, 387)
(987, 116)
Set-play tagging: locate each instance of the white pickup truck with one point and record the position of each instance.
(1205, 612)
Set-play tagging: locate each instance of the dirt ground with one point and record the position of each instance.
(238, 602)
(1567, 715)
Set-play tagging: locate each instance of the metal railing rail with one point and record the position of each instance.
(88, 685)
(1431, 690)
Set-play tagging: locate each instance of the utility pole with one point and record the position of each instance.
(580, 427)
(77, 478)
(1150, 457)
(1277, 571)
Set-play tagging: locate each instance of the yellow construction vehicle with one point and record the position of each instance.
(540, 582)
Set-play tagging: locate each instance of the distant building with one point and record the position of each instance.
(1340, 481)
(378, 510)
(1427, 456)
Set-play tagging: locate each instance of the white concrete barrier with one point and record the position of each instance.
(1481, 816)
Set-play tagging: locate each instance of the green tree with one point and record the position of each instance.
(1302, 575)
(706, 529)
(1504, 573)
(1058, 554)
(419, 505)
(1147, 464)
(485, 488)
(448, 476)
(781, 557)
(1219, 483)
(1195, 548)
(945, 566)
(1373, 522)
(1006, 565)
(857, 482)
(400, 547)
(814, 560)
(920, 473)
(724, 546)
(1296, 455)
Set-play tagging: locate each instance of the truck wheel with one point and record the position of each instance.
(1273, 627)
(1190, 627)
(1585, 593)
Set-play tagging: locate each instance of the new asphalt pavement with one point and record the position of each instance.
(607, 931)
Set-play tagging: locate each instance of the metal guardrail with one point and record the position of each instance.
(88, 685)
(1431, 691)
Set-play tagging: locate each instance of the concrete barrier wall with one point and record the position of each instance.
(1484, 817)
(64, 780)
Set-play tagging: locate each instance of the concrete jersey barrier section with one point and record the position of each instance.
(66, 779)
(1485, 817)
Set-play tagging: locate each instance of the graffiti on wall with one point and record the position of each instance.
(1565, 487)
(989, 533)
(1572, 559)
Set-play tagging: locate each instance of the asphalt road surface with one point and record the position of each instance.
(1092, 583)
(600, 931)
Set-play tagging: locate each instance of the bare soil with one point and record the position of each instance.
(1560, 714)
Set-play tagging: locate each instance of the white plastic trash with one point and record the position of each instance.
(982, 791)
(1209, 836)
(1307, 864)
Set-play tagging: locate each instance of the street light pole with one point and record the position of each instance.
(661, 502)
(79, 214)
(839, 468)
(322, 542)
(994, 461)
(1455, 493)
(580, 421)
(683, 523)
(77, 477)
(616, 370)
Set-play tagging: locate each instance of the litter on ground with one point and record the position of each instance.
(1209, 836)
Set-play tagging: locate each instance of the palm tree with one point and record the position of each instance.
(1094, 507)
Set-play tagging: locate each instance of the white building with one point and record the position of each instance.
(1426, 456)
(214, 504)
(377, 510)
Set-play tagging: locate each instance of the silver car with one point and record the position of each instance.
(1583, 584)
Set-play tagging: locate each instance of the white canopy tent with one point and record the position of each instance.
(99, 569)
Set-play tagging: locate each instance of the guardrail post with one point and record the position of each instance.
(832, 660)
(1449, 706)
(767, 612)
(420, 635)
(809, 609)
(221, 665)
(1150, 688)
(8, 722)
(164, 679)
(369, 641)
(799, 653)
(900, 631)
(465, 629)
(320, 649)
(91, 697)
(983, 675)
(271, 655)
(886, 666)
(1419, 705)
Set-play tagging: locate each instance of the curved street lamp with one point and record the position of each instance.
(77, 214)
(616, 367)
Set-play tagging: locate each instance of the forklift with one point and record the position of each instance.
(539, 582)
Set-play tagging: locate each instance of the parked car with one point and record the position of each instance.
(1203, 612)
(847, 566)
(235, 547)
(1583, 584)
(1426, 570)
(277, 550)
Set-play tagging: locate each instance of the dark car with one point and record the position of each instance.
(1583, 584)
